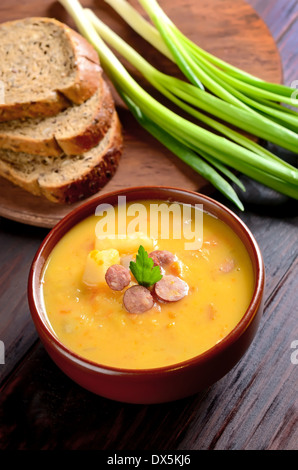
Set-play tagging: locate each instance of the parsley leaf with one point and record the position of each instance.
(143, 270)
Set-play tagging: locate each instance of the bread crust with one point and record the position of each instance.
(95, 131)
(92, 181)
(87, 80)
(50, 106)
(76, 144)
(89, 71)
(89, 182)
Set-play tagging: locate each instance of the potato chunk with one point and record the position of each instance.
(97, 263)
(128, 244)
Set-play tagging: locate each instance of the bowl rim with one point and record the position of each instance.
(39, 261)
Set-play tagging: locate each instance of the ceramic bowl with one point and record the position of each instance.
(161, 384)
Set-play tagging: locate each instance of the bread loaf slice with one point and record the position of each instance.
(45, 66)
(66, 179)
(73, 131)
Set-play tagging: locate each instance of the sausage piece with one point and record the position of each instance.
(171, 288)
(163, 257)
(117, 277)
(137, 299)
(155, 259)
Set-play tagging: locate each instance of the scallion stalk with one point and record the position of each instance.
(251, 87)
(163, 24)
(188, 140)
(188, 156)
(173, 89)
(145, 29)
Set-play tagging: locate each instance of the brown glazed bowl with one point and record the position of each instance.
(161, 384)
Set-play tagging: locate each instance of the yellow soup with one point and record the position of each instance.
(90, 319)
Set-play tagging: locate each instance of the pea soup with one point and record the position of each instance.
(99, 309)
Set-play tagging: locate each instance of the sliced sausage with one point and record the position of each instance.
(171, 288)
(117, 277)
(163, 257)
(137, 299)
(155, 259)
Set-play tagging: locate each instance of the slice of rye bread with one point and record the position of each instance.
(72, 132)
(45, 66)
(66, 179)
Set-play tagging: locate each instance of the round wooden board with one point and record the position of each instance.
(230, 29)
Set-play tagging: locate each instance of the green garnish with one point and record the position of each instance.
(143, 270)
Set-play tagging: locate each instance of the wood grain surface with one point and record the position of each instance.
(243, 39)
(254, 407)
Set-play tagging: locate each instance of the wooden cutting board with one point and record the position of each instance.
(230, 29)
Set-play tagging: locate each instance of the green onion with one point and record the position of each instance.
(248, 84)
(208, 153)
(152, 35)
(270, 113)
(187, 155)
(164, 24)
(173, 88)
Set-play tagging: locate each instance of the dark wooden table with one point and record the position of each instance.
(253, 407)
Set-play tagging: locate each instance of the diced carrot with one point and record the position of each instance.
(175, 268)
